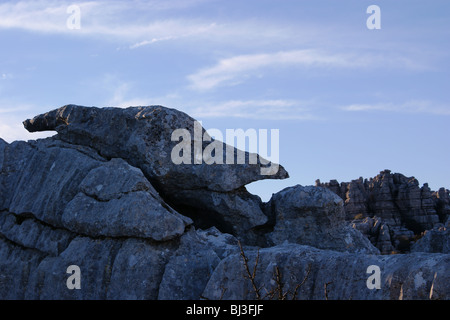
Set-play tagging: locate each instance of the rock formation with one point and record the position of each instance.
(103, 195)
(434, 240)
(142, 136)
(314, 216)
(391, 209)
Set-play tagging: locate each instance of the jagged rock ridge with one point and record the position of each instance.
(391, 209)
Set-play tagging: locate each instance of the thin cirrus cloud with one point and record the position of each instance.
(234, 70)
(39, 16)
(173, 30)
(102, 18)
(148, 42)
(140, 23)
(412, 106)
(261, 109)
(275, 109)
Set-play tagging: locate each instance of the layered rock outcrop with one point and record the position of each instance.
(392, 210)
(103, 195)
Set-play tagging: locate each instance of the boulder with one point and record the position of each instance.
(434, 240)
(314, 216)
(116, 200)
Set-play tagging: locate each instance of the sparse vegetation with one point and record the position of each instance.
(277, 292)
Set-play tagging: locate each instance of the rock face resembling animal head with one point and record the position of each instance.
(143, 137)
(211, 194)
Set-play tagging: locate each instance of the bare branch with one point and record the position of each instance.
(278, 290)
(223, 291)
(251, 276)
(279, 283)
(326, 289)
(294, 295)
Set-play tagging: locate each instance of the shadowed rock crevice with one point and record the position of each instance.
(236, 212)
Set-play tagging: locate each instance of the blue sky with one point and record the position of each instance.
(348, 101)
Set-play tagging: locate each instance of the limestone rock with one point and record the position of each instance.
(28, 232)
(442, 204)
(387, 238)
(345, 276)
(404, 208)
(137, 269)
(143, 137)
(237, 212)
(15, 157)
(102, 195)
(84, 195)
(116, 200)
(48, 281)
(16, 264)
(314, 216)
(434, 240)
(196, 258)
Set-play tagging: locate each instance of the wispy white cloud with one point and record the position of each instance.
(140, 23)
(173, 30)
(40, 15)
(276, 109)
(412, 106)
(269, 109)
(135, 24)
(99, 18)
(234, 70)
(148, 42)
